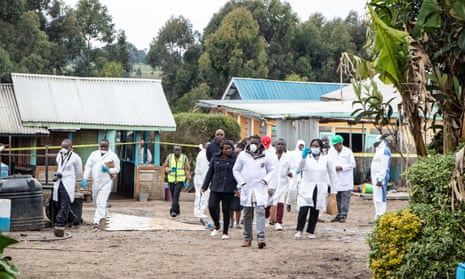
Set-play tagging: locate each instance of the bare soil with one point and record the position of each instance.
(339, 251)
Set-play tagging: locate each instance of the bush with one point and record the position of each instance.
(403, 247)
(389, 241)
(195, 128)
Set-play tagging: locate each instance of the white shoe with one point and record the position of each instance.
(298, 235)
(214, 232)
(278, 227)
(311, 236)
(225, 237)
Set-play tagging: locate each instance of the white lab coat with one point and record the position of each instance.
(201, 168)
(249, 172)
(345, 159)
(149, 156)
(70, 166)
(380, 166)
(295, 157)
(280, 181)
(315, 173)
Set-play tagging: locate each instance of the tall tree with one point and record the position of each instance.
(176, 51)
(235, 49)
(97, 27)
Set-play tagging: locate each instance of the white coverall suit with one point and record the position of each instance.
(201, 168)
(101, 181)
(380, 167)
(295, 157)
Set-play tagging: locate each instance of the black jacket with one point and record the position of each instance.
(213, 148)
(220, 175)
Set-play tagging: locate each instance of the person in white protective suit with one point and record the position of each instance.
(201, 168)
(253, 171)
(103, 165)
(69, 168)
(295, 156)
(279, 185)
(380, 167)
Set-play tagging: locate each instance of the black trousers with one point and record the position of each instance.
(63, 206)
(312, 217)
(214, 208)
(175, 189)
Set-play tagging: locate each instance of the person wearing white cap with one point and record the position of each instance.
(380, 167)
(344, 162)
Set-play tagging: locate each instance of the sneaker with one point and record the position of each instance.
(278, 227)
(173, 214)
(214, 232)
(298, 235)
(261, 244)
(335, 219)
(342, 220)
(237, 226)
(311, 235)
(224, 237)
(321, 220)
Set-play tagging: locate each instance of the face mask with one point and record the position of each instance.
(64, 151)
(315, 151)
(253, 148)
(103, 152)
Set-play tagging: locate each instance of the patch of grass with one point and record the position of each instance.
(140, 70)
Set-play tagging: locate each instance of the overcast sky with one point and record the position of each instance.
(142, 19)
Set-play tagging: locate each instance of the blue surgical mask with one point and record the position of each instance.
(315, 151)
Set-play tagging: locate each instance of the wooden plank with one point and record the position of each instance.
(123, 222)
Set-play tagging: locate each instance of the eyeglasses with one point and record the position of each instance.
(220, 134)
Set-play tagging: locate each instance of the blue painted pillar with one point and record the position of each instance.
(33, 158)
(156, 149)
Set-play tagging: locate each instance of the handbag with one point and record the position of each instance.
(331, 205)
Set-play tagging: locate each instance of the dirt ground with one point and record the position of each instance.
(339, 251)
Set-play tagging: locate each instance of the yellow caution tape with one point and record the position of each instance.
(96, 145)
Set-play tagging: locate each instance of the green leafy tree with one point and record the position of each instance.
(64, 31)
(235, 49)
(187, 103)
(176, 52)
(96, 26)
(119, 52)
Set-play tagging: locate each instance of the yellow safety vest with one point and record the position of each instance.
(180, 174)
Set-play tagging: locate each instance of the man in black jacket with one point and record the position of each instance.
(214, 146)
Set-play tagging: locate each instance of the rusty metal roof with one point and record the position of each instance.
(92, 103)
(10, 121)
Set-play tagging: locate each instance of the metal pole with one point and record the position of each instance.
(46, 165)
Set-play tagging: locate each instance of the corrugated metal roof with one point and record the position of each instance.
(10, 123)
(102, 103)
(285, 109)
(263, 89)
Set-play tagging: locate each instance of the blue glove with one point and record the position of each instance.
(186, 185)
(305, 152)
(173, 169)
(105, 168)
(84, 183)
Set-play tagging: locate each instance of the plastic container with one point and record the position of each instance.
(367, 188)
(25, 193)
(5, 215)
(205, 222)
(4, 170)
(460, 272)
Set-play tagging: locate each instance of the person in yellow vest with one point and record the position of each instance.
(178, 172)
